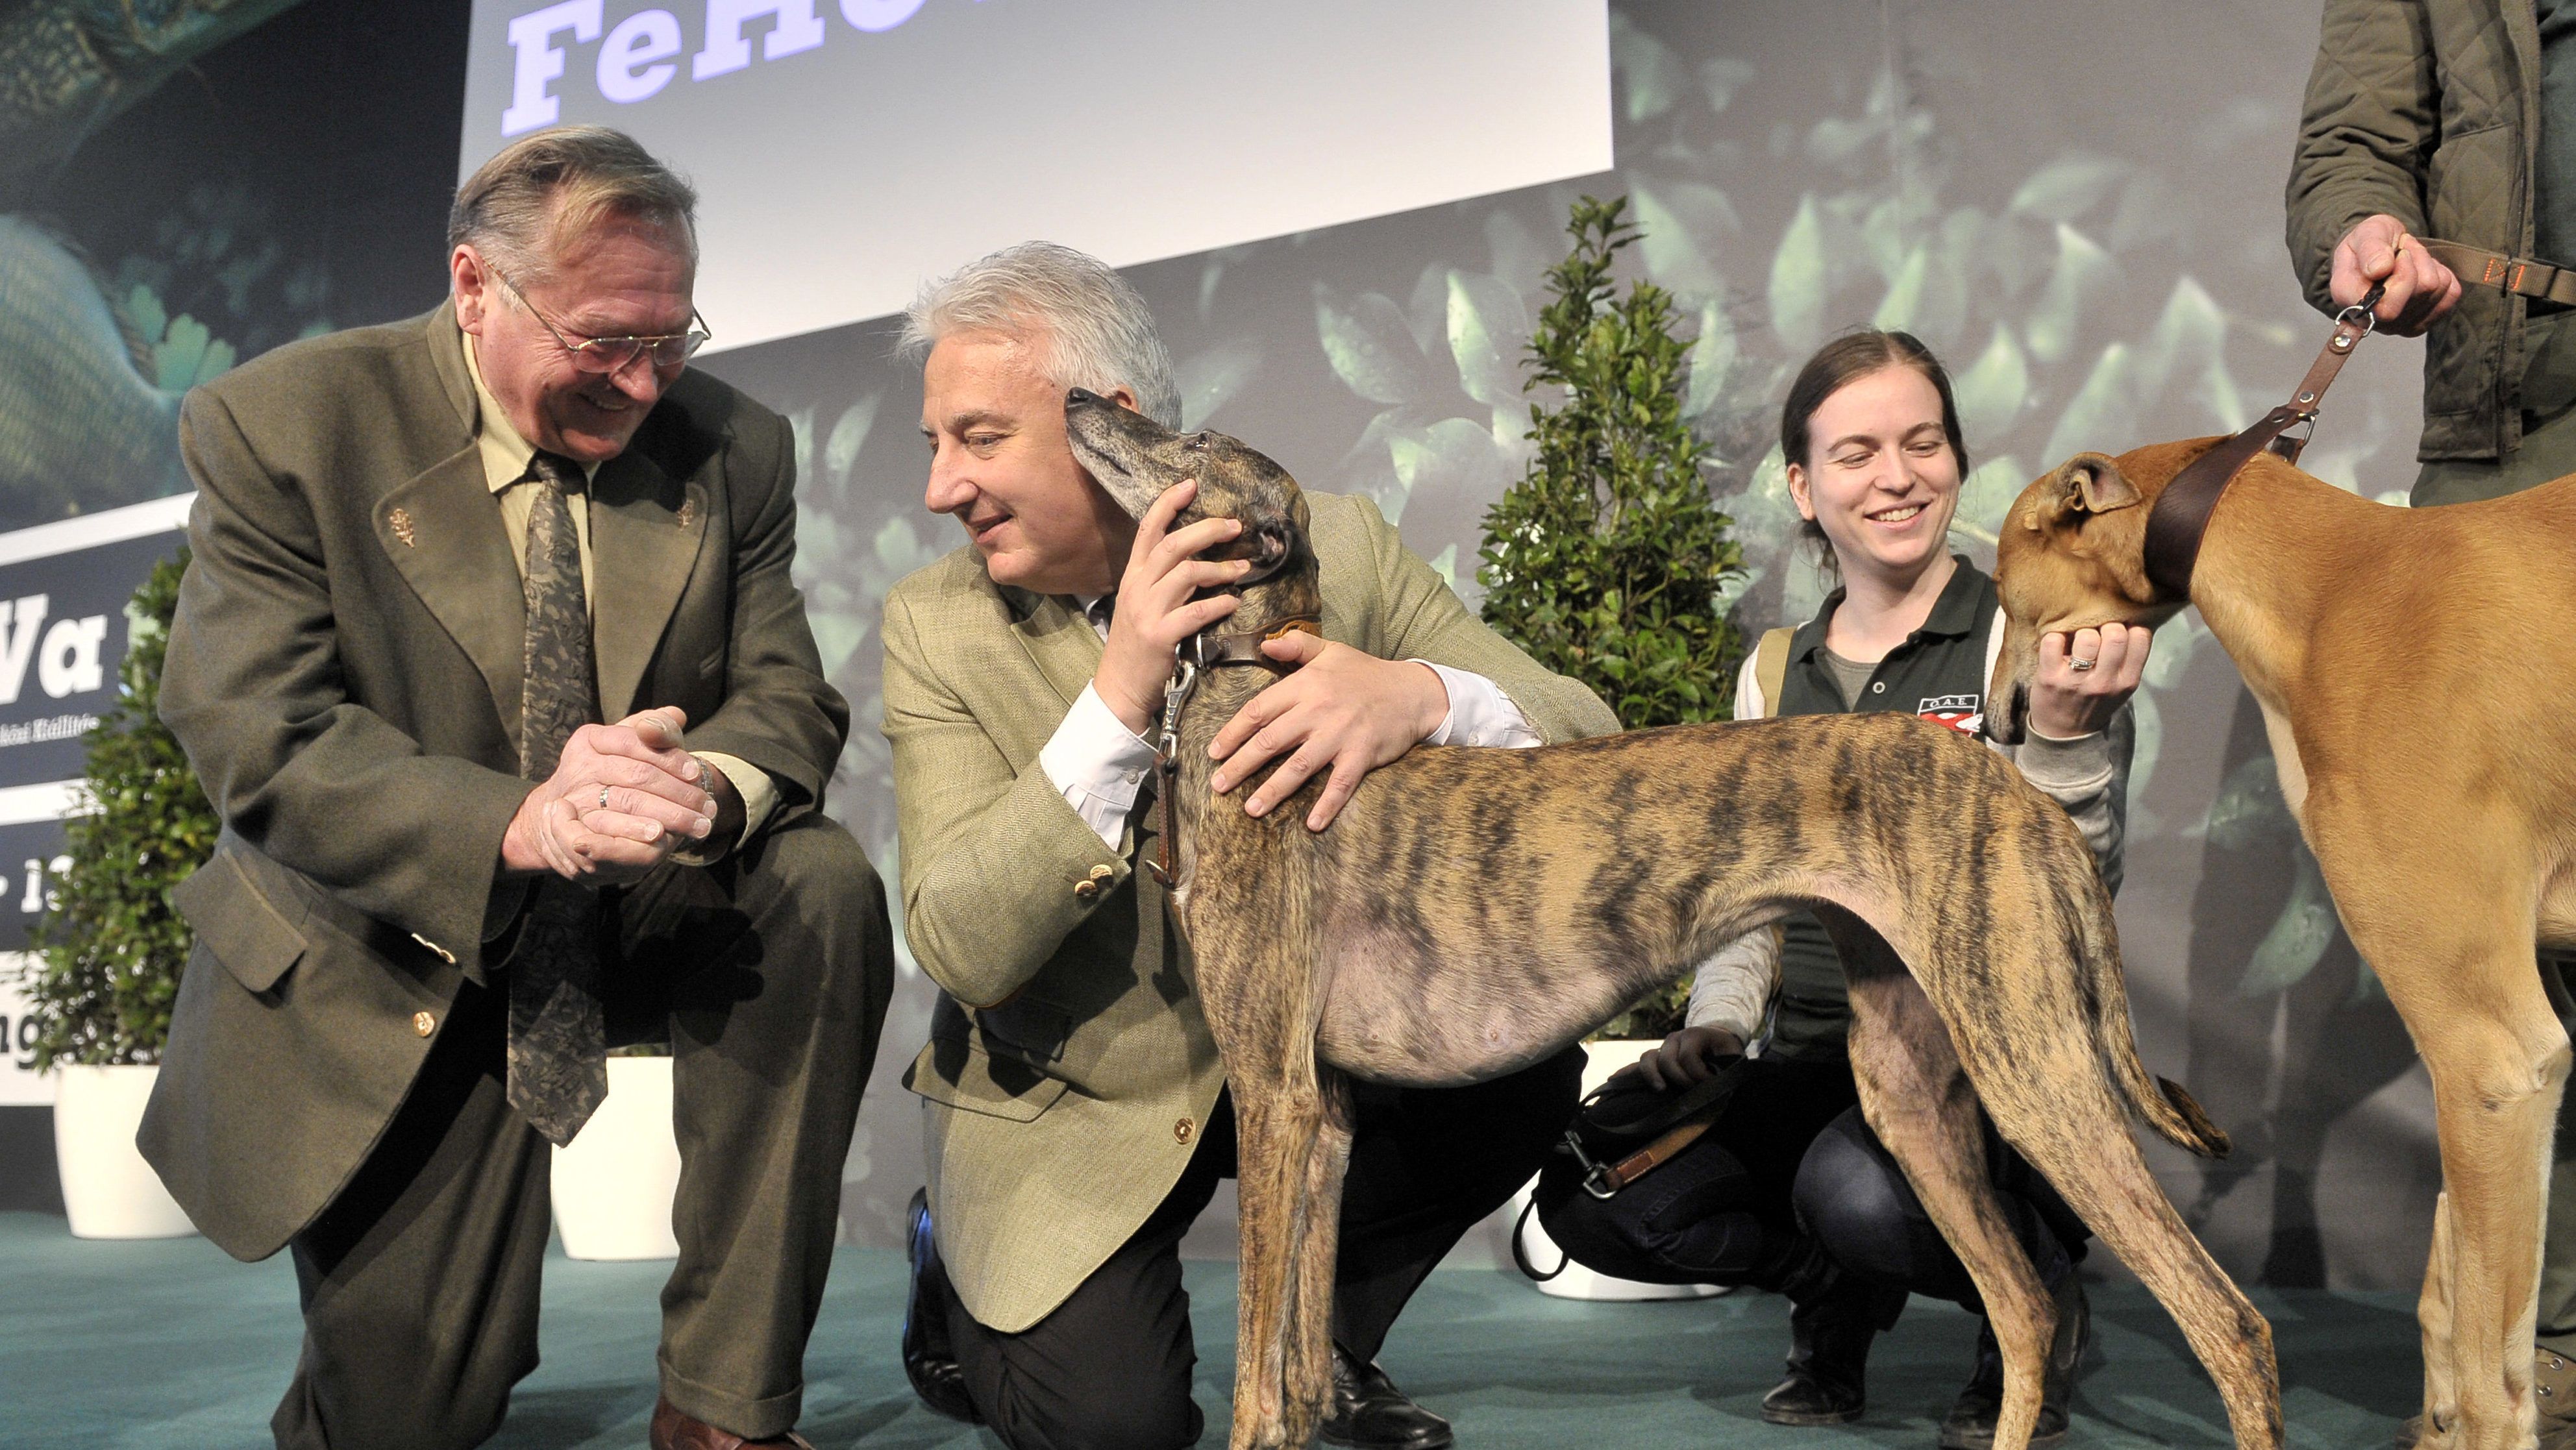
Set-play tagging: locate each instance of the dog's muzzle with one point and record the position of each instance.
(2008, 719)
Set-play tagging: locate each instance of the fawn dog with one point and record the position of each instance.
(1473, 911)
(2448, 836)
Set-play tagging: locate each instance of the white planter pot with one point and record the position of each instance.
(614, 1182)
(109, 1192)
(1578, 1282)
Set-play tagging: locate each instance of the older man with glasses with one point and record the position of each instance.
(431, 561)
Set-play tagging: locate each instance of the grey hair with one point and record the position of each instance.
(552, 187)
(1093, 329)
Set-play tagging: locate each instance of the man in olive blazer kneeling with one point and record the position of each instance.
(430, 559)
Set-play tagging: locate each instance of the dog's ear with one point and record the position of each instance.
(2088, 483)
(2096, 485)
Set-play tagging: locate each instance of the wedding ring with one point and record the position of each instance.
(2072, 664)
(603, 790)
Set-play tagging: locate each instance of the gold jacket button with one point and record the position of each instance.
(1102, 874)
(1086, 889)
(423, 1023)
(1182, 1130)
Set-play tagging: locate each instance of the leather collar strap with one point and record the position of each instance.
(1219, 650)
(2181, 513)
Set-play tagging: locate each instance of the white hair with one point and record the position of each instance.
(1090, 328)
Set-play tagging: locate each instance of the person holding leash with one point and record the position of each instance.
(1788, 1189)
(2458, 121)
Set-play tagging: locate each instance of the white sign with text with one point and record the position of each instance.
(846, 151)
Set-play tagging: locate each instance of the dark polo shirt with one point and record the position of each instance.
(1939, 672)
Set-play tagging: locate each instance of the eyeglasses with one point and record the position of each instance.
(614, 354)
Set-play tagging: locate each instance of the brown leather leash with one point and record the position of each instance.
(1605, 1179)
(1209, 650)
(2181, 513)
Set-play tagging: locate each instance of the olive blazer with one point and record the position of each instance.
(345, 673)
(1069, 1068)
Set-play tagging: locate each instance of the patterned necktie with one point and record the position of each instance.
(558, 1069)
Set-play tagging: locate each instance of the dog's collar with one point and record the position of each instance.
(2181, 513)
(1218, 650)
(1209, 650)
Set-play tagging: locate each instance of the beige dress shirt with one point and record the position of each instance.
(507, 460)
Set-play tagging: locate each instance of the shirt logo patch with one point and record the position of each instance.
(1959, 712)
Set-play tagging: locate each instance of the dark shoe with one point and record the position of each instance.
(1371, 1413)
(1832, 1318)
(2553, 1383)
(1971, 1423)
(929, 1359)
(674, 1429)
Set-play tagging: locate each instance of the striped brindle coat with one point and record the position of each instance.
(1473, 911)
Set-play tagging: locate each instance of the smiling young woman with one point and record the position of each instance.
(1789, 1190)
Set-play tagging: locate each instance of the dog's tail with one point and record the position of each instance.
(2163, 1103)
(2177, 1115)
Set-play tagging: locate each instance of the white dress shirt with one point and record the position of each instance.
(1099, 764)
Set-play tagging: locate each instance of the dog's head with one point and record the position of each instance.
(2071, 555)
(1136, 458)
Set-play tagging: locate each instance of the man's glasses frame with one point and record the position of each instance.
(606, 355)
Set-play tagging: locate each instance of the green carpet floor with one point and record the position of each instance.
(171, 1346)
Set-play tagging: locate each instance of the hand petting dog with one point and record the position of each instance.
(2085, 675)
(1157, 607)
(1342, 710)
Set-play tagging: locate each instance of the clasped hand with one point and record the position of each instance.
(1341, 711)
(621, 800)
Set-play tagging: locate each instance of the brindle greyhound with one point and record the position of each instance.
(2446, 826)
(1473, 911)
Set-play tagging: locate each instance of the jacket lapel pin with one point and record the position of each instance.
(688, 513)
(400, 519)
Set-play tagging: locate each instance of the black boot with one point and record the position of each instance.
(1832, 1318)
(1370, 1412)
(929, 1360)
(1971, 1423)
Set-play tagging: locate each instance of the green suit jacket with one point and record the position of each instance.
(344, 673)
(1063, 1107)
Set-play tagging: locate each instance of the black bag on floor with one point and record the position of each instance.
(1622, 1131)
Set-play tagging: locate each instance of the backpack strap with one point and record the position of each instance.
(1771, 667)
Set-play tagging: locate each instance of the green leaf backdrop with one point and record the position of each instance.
(2097, 257)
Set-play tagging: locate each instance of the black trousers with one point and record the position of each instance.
(769, 973)
(1109, 1369)
(1791, 1155)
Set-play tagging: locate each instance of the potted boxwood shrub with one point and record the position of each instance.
(104, 959)
(1608, 561)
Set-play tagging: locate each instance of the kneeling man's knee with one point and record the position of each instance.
(827, 890)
